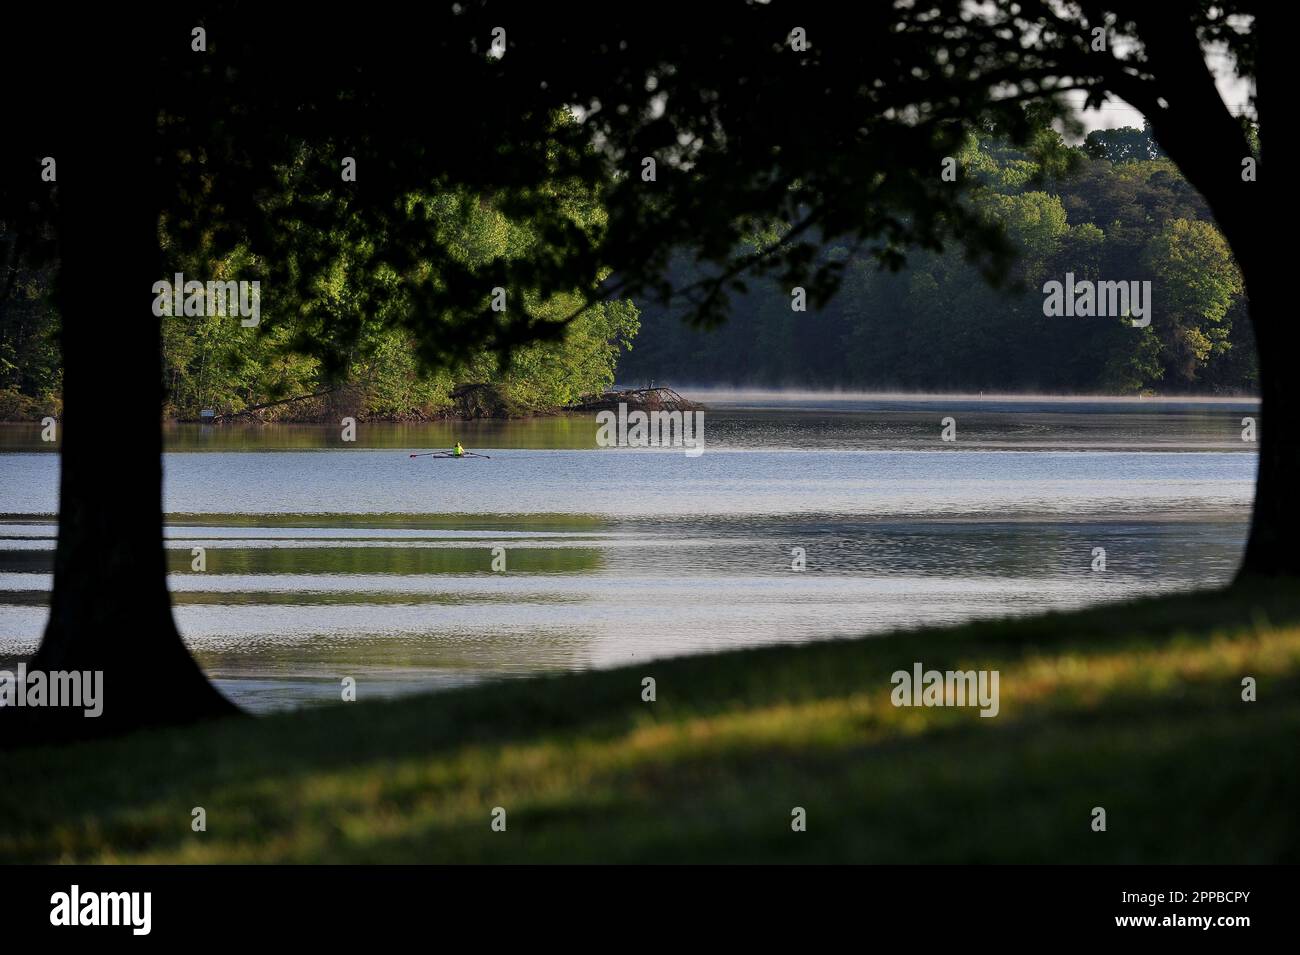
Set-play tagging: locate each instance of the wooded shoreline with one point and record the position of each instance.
(472, 403)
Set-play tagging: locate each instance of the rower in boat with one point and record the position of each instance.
(458, 452)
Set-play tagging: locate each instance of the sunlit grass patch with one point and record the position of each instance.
(1138, 709)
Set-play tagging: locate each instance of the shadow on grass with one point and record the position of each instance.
(1135, 708)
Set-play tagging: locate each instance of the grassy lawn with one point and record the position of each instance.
(1135, 708)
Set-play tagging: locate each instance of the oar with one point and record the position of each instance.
(448, 454)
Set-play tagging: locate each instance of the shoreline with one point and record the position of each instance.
(729, 399)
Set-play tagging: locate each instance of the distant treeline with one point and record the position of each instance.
(1124, 213)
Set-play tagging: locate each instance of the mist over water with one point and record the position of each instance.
(326, 559)
(803, 397)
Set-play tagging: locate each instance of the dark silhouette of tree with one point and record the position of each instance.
(839, 138)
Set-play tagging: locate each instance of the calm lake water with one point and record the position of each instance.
(328, 559)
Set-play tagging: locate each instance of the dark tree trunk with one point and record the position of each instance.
(110, 609)
(1273, 549)
(1208, 144)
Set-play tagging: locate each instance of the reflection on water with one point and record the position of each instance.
(326, 560)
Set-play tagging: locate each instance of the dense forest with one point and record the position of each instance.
(212, 360)
(1119, 210)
